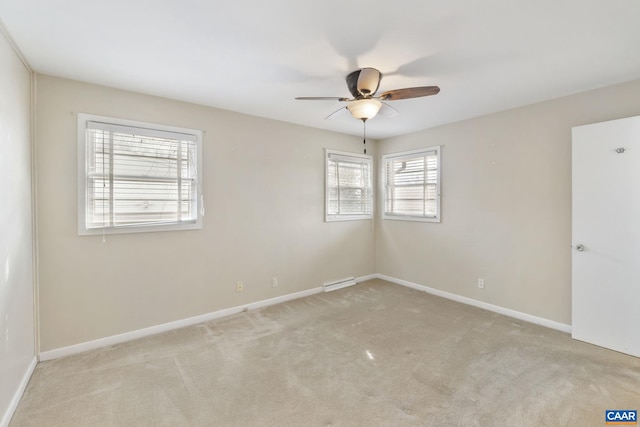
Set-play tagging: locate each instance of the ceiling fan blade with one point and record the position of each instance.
(339, 112)
(387, 111)
(352, 82)
(321, 98)
(368, 81)
(409, 92)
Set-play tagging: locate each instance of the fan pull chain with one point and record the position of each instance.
(364, 136)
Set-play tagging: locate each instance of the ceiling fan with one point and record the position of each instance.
(363, 85)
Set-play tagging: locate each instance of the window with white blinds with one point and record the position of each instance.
(348, 192)
(412, 185)
(137, 176)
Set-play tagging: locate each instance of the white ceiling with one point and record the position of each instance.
(255, 56)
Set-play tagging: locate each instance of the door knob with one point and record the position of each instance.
(579, 247)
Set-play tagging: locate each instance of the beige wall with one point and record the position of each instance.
(17, 349)
(264, 201)
(506, 215)
(506, 205)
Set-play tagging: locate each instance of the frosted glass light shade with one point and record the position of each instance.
(364, 109)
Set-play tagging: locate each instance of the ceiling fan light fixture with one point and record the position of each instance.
(364, 109)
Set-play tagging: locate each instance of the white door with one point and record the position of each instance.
(606, 235)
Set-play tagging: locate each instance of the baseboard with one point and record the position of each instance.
(480, 304)
(365, 278)
(140, 333)
(6, 418)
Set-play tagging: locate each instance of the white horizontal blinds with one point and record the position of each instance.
(348, 185)
(138, 176)
(412, 185)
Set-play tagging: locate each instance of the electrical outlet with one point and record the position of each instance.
(274, 282)
(239, 286)
(481, 283)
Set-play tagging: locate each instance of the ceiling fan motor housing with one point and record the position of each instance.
(364, 83)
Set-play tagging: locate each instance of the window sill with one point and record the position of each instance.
(411, 218)
(128, 229)
(336, 218)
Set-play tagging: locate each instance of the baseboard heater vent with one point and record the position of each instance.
(339, 284)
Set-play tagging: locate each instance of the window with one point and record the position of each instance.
(412, 185)
(348, 186)
(135, 177)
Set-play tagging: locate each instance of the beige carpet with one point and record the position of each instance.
(375, 354)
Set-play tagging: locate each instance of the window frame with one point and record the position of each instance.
(421, 152)
(370, 193)
(82, 176)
